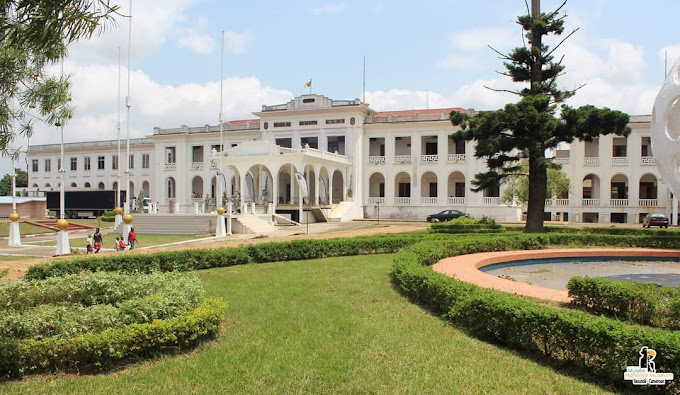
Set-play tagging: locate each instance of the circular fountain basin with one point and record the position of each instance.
(632, 264)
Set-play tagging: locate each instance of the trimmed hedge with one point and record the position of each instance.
(106, 349)
(642, 303)
(600, 345)
(605, 231)
(466, 225)
(203, 258)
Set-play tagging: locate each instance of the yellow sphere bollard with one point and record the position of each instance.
(221, 210)
(14, 217)
(127, 218)
(118, 210)
(62, 224)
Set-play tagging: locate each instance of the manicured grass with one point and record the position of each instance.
(323, 326)
(144, 240)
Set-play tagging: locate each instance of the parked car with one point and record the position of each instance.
(446, 215)
(655, 219)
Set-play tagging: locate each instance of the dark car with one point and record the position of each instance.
(446, 215)
(655, 219)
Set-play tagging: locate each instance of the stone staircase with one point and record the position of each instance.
(319, 215)
(173, 224)
(255, 224)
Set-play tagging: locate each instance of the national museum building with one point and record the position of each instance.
(356, 162)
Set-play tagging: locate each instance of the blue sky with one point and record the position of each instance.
(274, 47)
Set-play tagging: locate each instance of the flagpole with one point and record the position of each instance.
(363, 97)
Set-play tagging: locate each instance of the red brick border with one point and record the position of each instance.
(466, 267)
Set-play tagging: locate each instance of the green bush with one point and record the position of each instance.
(111, 347)
(599, 345)
(641, 303)
(605, 231)
(466, 225)
(203, 259)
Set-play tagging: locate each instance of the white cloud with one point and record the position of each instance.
(237, 42)
(458, 62)
(202, 44)
(329, 8)
(475, 39)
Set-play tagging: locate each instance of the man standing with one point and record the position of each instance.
(132, 238)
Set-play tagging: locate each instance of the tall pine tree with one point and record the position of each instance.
(524, 131)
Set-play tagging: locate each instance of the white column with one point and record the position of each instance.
(675, 210)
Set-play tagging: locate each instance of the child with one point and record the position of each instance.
(121, 244)
(117, 245)
(89, 244)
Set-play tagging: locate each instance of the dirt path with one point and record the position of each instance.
(18, 267)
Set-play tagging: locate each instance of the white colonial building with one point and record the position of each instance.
(356, 162)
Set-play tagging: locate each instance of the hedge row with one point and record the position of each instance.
(203, 259)
(644, 241)
(641, 303)
(598, 344)
(103, 350)
(606, 231)
(467, 225)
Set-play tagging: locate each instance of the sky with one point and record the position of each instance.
(430, 52)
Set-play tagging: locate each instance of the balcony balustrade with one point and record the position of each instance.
(591, 161)
(376, 160)
(648, 202)
(590, 202)
(428, 200)
(456, 201)
(561, 161)
(561, 202)
(402, 200)
(618, 202)
(647, 161)
(620, 161)
(402, 159)
(429, 158)
(456, 158)
(376, 200)
(197, 165)
(170, 166)
(491, 201)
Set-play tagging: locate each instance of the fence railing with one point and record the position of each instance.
(428, 200)
(402, 159)
(648, 202)
(429, 158)
(457, 158)
(591, 161)
(590, 202)
(620, 161)
(618, 202)
(491, 201)
(456, 201)
(376, 160)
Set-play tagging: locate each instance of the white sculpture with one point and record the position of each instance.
(666, 130)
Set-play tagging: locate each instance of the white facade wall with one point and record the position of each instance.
(379, 151)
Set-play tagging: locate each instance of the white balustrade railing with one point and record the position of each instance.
(170, 166)
(402, 159)
(456, 201)
(561, 202)
(457, 158)
(429, 158)
(548, 202)
(491, 201)
(620, 161)
(648, 202)
(197, 165)
(376, 200)
(590, 202)
(618, 202)
(647, 161)
(561, 161)
(591, 161)
(376, 160)
(402, 200)
(428, 200)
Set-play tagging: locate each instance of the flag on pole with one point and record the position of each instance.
(308, 84)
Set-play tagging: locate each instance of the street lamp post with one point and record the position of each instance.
(14, 232)
(220, 229)
(63, 244)
(119, 209)
(127, 218)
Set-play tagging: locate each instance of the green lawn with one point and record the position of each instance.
(27, 229)
(143, 240)
(320, 327)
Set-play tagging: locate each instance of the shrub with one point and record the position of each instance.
(605, 231)
(467, 225)
(642, 303)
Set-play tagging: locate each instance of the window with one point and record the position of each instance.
(100, 162)
(145, 161)
(58, 164)
(460, 146)
(86, 163)
(431, 148)
(170, 155)
(34, 165)
(48, 165)
(307, 123)
(335, 121)
(114, 162)
(404, 189)
(619, 151)
(281, 124)
(74, 164)
(132, 161)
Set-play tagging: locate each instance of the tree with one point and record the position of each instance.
(517, 186)
(33, 35)
(6, 182)
(527, 129)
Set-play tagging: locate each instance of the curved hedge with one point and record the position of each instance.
(92, 321)
(599, 345)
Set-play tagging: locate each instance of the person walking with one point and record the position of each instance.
(89, 244)
(132, 238)
(98, 240)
